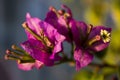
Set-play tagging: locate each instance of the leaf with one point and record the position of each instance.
(98, 77)
(108, 70)
(83, 75)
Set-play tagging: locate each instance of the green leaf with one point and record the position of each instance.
(86, 74)
(98, 77)
(108, 70)
(83, 75)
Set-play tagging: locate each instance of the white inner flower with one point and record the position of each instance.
(105, 35)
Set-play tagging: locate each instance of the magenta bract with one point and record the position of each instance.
(88, 39)
(50, 44)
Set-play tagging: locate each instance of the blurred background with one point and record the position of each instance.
(95, 12)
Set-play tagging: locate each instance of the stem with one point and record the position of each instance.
(101, 65)
(25, 26)
(72, 50)
(38, 37)
(16, 48)
(64, 60)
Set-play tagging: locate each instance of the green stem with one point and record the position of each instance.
(25, 26)
(14, 47)
(102, 65)
(66, 59)
(38, 37)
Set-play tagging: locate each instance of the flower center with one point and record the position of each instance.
(105, 35)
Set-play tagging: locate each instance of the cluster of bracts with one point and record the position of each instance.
(44, 46)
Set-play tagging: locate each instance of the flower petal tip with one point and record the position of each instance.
(28, 15)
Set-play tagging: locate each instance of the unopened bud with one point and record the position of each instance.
(24, 25)
(51, 8)
(61, 12)
(6, 57)
(8, 51)
(89, 28)
(14, 47)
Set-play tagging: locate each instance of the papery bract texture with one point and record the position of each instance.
(28, 66)
(88, 39)
(60, 20)
(82, 58)
(50, 44)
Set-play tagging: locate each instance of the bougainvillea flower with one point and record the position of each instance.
(44, 42)
(60, 20)
(28, 66)
(24, 60)
(88, 39)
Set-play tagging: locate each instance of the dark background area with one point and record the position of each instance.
(12, 15)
